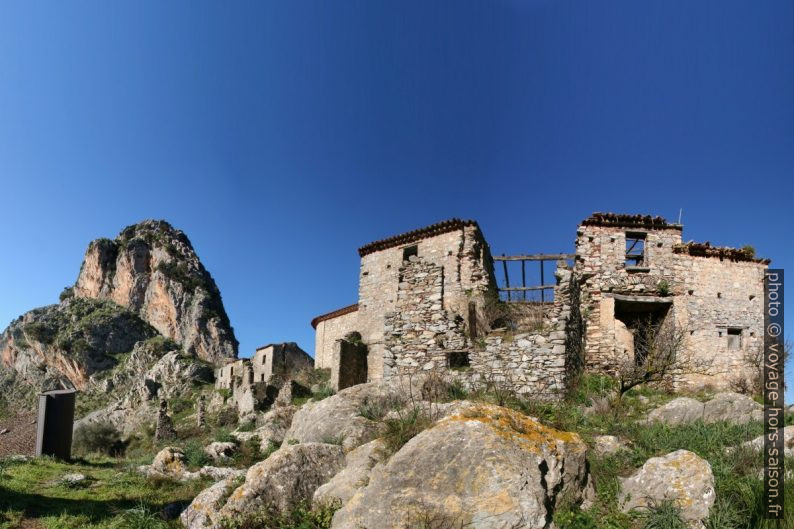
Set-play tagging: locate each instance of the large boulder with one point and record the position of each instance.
(678, 411)
(285, 479)
(152, 269)
(358, 465)
(485, 468)
(201, 512)
(170, 461)
(681, 477)
(731, 407)
(338, 417)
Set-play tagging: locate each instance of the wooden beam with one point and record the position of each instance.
(542, 281)
(507, 280)
(524, 278)
(522, 289)
(536, 257)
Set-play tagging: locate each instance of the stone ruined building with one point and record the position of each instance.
(425, 303)
(635, 267)
(428, 300)
(279, 359)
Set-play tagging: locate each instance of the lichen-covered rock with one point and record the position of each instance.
(220, 451)
(681, 477)
(204, 507)
(358, 465)
(731, 407)
(286, 478)
(338, 416)
(152, 269)
(485, 468)
(170, 461)
(681, 410)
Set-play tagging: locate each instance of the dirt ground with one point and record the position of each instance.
(21, 435)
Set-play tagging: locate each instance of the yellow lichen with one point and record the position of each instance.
(514, 426)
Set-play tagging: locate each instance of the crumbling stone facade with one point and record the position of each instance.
(426, 298)
(272, 359)
(714, 294)
(423, 305)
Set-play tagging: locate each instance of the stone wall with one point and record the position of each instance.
(327, 332)
(707, 294)
(465, 259)
(422, 334)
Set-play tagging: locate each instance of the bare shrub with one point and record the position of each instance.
(660, 356)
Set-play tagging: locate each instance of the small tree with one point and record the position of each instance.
(660, 355)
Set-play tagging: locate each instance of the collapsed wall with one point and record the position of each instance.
(423, 336)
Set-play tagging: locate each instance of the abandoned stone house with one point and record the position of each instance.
(268, 360)
(429, 299)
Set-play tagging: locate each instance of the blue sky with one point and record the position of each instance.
(282, 136)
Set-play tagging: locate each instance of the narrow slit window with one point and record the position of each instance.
(734, 338)
(409, 251)
(635, 249)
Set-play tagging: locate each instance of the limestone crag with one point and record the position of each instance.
(64, 345)
(152, 269)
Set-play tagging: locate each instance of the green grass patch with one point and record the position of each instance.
(115, 496)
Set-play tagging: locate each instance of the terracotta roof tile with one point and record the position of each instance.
(334, 314)
(415, 235)
(622, 220)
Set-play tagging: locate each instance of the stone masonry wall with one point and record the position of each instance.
(465, 259)
(421, 331)
(328, 332)
(690, 284)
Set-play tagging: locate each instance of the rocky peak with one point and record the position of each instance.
(152, 269)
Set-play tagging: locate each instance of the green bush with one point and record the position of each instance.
(195, 454)
(97, 437)
(224, 436)
(66, 293)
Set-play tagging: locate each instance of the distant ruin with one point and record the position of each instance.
(254, 382)
(429, 299)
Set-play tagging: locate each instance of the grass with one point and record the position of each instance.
(31, 495)
(739, 490)
(301, 517)
(404, 427)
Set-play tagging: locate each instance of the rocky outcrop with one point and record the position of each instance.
(152, 269)
(355, 475)
(137, 385)
(728, 406)
(285, 479)
(337, 417)
(681, 477)
(66, 344)
(273, 427)
(204, 507)
(171, 463)
(485, 468)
